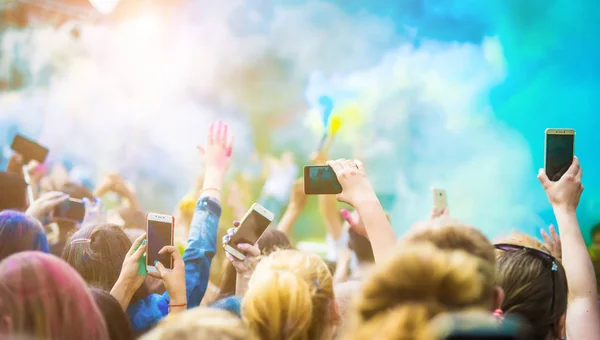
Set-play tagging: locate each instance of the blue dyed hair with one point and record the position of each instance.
(231, 304)
(20, 232)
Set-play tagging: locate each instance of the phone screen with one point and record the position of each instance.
(29, 149)
(71, 210)
(321, 180)
(559, 154)
(251, 229)
(159, 235)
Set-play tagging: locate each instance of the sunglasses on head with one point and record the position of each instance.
(539, 254)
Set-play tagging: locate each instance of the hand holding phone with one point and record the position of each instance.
(559, 152)
(71, 209)
(251, 228)
(321, 180)
(159, 233)
(44, 206)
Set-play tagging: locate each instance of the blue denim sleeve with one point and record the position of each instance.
(201, 248)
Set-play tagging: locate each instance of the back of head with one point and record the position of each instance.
(289, 297)
(530, 285)
(201, 323)
(417, 283)
(117, 321)
(13, 192)
(97, 254)
(50, 300)
(448, 234)
(272, 240)
(20, 232)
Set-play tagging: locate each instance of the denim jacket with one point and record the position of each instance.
(197, 257)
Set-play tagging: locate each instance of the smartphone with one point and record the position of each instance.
(72, 209)
(251, 228)
(440, 202)
(559, 152)
(29, 150)
(320, 180)
(159, 233)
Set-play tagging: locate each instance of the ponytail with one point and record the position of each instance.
(288, 297)
(419, 282)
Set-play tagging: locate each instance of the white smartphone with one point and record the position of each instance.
(440, 201)
(159, 233)
(559, 150)
(251, 228)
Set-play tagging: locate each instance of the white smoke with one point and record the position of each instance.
(140, 93)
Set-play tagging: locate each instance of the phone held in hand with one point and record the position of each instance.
(320, 180)
(29, 150)
(159, 233)
(251, 228)
(440, 200)
(72, 209)
(559, 152)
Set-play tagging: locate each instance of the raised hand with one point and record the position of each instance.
(174, 279)
(216, 154)
(94, 212)
(354, 221)
(131, 277)
(566, 192)
(552, 241)
(297, 198)
(243, 267)
(435, 212)
(43, 206)
(354, 181)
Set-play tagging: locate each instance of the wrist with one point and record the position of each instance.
(564, 210)
(365, 200)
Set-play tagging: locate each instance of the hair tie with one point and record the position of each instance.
(81, 241)
(317, 285)
(498, 314)
(554, 266)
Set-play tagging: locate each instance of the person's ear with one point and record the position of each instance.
(497, 298)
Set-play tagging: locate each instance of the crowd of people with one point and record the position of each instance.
(443, 279)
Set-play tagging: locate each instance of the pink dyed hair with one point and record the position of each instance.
(49, 299)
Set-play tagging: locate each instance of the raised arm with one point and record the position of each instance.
(202, 239)
(328, 206)
(294, 209)
(583, 314)
(358, 192)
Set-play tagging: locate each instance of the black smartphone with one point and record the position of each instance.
(71, 210)
(29, 150)
(320, 180)
(559, 152)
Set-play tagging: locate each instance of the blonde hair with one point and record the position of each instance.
(417, 283)
(201, 323)
(289, 297)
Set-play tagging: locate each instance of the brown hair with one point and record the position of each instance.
(201, 323)
(417, 283)
(527, 280)
(289, 297)
(270, 241)
(99, 261)
(448, 234)
(49, 299)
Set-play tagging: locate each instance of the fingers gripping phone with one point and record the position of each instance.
(320, 180)
(251, 228)
(29, 150)
(559, 152)
(159, 233)
(70, 210)
(440, 200)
